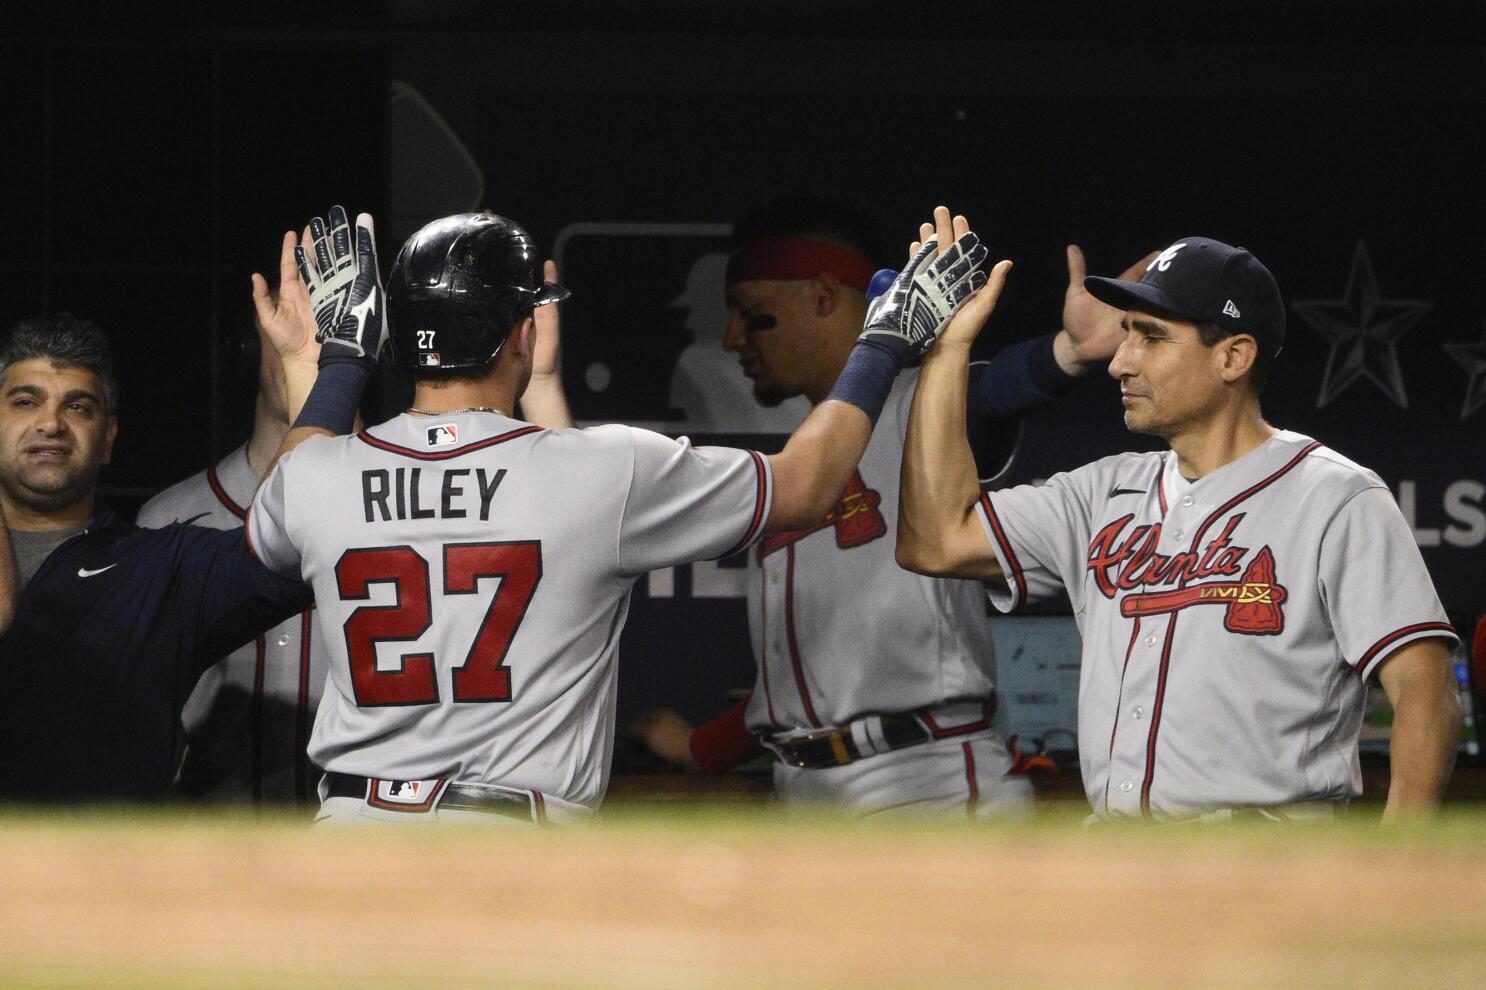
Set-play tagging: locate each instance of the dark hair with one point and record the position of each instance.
(808, 216)
(1211, 333)
(447, 376)
(64, 340)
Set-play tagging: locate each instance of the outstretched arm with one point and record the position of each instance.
(1426, 726)
(10, 582)
(901, 324)
(938, 532)
(1034, 373)
(544, 402)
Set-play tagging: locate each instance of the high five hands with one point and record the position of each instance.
(971, 310)
(946, 266)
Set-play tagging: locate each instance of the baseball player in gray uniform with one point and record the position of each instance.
(874, 685)
(248, 720)
(1236, 592)
(472, 571)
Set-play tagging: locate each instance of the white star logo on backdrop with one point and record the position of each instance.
(1363, 329)
(1472, 357)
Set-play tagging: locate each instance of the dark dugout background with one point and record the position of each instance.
(149, 166)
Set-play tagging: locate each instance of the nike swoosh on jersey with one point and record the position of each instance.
(1125, 491)
(84, 572)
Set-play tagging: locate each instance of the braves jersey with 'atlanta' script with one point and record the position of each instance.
(840, 630)
(248, 720)
(1229, 624)
(472, 575)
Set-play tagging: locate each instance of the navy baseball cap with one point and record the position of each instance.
(1205, 281)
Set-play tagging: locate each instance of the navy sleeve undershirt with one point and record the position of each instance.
(1021, 378)
(237, 596)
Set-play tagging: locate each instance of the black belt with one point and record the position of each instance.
(453, 797)
(835, 747)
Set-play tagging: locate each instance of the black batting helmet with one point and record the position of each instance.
(458, 288)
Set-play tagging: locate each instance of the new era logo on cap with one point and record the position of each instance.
(1204, 281)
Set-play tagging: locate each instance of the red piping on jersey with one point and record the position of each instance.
(763, 656)
(1120, 699)
(222, 496)
(940, 732)
(1244, 495)
(760, 492)
(1018, 579)
(1219, 512)
(257, 722)
(970, 779)
(1395, 636)
(789, 635)
(302, 711)
(248, 537)
(1150, 742)
(444, 455)
(1161, 491)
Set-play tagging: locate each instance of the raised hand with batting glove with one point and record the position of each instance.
(350, 308)
(345, 289)
(907, 318)
(904, 321)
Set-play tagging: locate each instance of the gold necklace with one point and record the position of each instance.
(453, 412)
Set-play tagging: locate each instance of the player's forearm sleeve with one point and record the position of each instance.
(336, 394)
(724, 742)
(1018, 380)
(867, 378)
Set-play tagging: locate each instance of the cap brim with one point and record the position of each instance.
(551, 292)
(1133, 295)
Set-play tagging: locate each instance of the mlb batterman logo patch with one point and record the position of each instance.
(443, 435)
(406, 791)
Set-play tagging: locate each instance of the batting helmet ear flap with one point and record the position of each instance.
(458, 288)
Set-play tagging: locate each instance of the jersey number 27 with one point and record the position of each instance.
(483, 677)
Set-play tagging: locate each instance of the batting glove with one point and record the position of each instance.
(345, 288)
(907, 318)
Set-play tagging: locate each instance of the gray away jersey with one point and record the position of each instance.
(839, 630)
(472, 575)
(1229, 624)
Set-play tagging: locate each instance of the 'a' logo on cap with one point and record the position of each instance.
(1164, 259)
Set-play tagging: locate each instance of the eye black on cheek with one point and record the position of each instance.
(760, 321)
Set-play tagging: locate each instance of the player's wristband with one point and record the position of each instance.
(868, 377)
(333, 400)
(1017, 380)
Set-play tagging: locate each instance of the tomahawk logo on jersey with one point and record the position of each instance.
(1166, 575)
(1123, 557)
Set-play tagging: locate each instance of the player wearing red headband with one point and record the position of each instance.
(875, 685)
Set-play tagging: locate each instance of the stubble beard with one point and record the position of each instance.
(73, 486)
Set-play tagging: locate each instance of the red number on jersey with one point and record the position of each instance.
(408, 618)
(484, 676)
